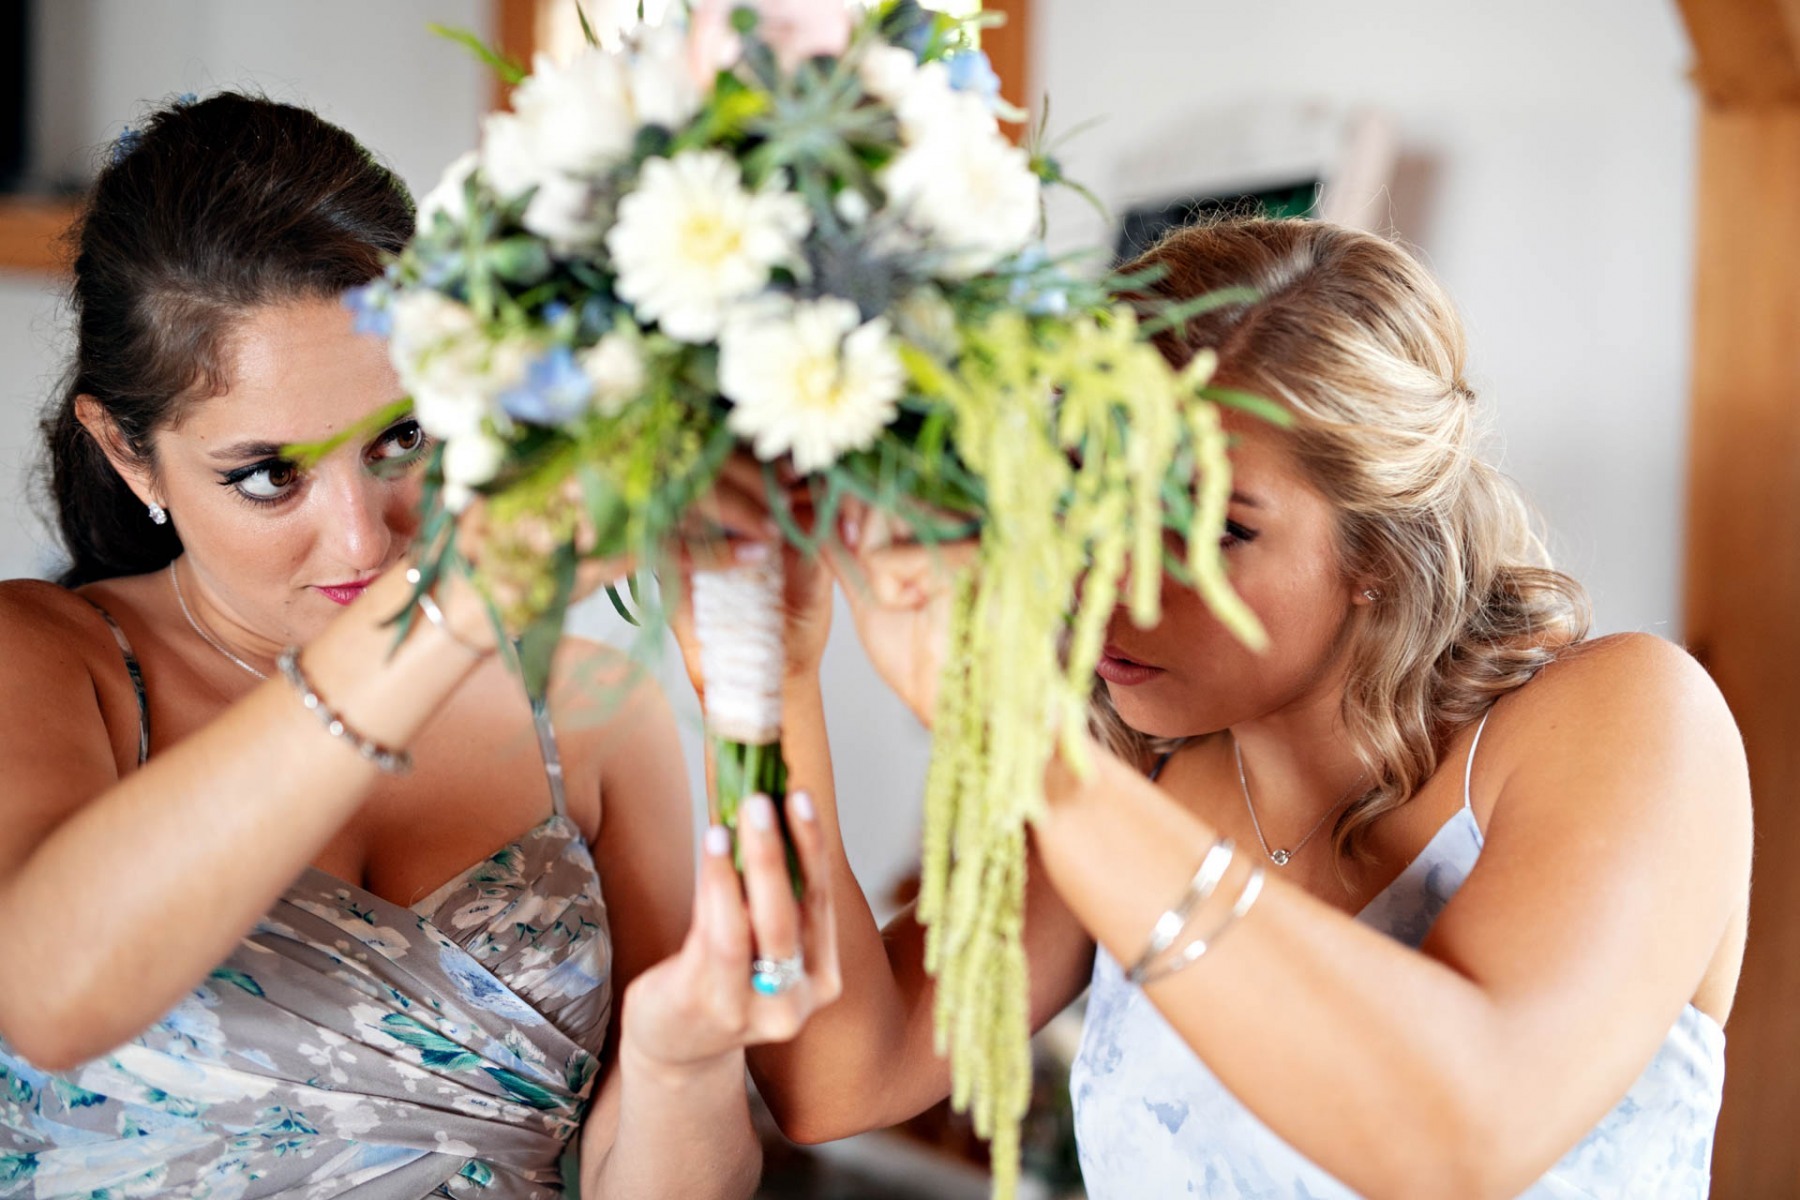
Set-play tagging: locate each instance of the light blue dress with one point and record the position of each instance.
(1152, 1121)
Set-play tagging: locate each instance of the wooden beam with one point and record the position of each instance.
(1743, 591)
(31, 233)
(1746, 51)
(1008, 47)
(515, 25)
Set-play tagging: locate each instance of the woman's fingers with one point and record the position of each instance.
(774, 915)
(726, 932)
(818, 917)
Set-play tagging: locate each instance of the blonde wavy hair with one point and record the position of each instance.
(1359, 343)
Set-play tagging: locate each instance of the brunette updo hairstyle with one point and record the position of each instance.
(206, 211)
(1363, 348)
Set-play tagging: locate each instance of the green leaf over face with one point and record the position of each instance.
(306, 455)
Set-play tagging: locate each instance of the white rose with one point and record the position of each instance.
(447, 197)
(615, 366)
(452, 370)
(450, 413)
(468, 463)
(887, 72)
(969, 191)
(578, 117)
(568, 125)
(662, 85)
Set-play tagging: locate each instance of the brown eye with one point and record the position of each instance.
(267, 481)
(400, 444)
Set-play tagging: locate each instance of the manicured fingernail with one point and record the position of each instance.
(751, 552)
(801, 805)
(852, 530)
(718, 841)
(760, 813)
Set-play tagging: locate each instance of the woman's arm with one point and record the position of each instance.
(672, 1116)
(116, 896)
(870, 1060)
(1615, 859)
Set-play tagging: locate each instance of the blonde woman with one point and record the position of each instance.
(1436, 897)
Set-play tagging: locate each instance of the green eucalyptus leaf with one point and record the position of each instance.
(509, 70)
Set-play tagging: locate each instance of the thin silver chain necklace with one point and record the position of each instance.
(1279, 857)
(209, 639)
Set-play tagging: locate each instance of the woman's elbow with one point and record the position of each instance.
(45, 1042)
(55, 1029)
(812, 1119)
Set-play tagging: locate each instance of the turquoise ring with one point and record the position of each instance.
(773, 976)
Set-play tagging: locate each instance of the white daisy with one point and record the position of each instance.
(691, 241)
(808, 380)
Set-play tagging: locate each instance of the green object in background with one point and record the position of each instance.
(1143, 226)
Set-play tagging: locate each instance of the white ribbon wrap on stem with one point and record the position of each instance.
(738, 621)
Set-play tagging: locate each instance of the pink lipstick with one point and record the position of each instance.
(342, 593)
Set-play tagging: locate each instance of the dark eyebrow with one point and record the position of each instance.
(242, 450)
(1246, 501)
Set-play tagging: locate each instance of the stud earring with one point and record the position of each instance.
(158, 514)
(1371, 594)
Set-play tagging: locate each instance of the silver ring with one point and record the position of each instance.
(773, 976)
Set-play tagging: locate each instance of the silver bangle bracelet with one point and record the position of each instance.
(1168, 926)
(429, 606)
(390, 761)
(1192, 952)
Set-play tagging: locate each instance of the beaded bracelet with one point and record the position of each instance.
(1191, 953)
(1162, 935)
(392, 762)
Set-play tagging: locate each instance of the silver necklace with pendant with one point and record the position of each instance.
(1279, 857)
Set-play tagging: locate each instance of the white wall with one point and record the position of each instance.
(1547, 179)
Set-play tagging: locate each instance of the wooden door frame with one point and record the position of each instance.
(1742, 587)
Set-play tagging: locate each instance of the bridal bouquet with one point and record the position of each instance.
(801, 231)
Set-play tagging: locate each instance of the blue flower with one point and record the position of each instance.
(555, 311)
(970, 71)
(555, 390)
(127, 141)
(1039, 293)
(370, 304)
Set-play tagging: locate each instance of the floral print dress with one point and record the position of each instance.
(1152, 1120)
(350, 1047)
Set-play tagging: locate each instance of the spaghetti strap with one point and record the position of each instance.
(1469, 765)
(137, 682)
(553, 770)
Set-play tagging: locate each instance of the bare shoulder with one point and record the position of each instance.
(1630, 714)
(611, 713)
(62, 675)
(1631, 677)
(45, 627)
(602, 687)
